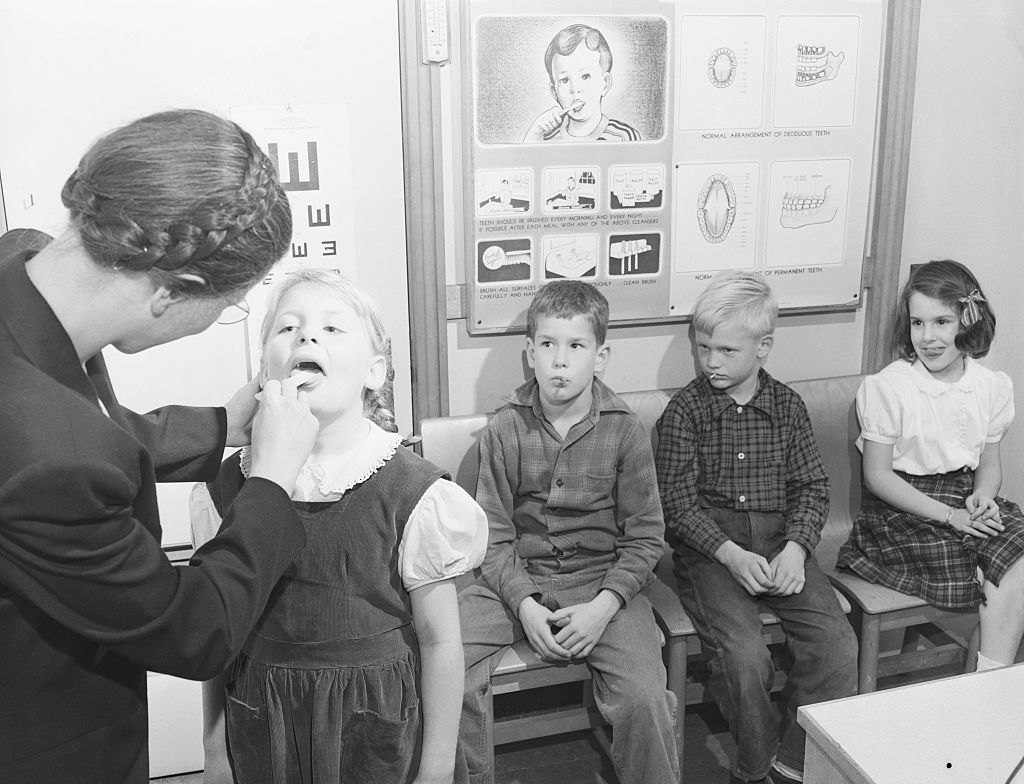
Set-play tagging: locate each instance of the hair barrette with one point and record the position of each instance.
(971, 312)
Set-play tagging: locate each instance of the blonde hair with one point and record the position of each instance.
(737, 295)
(378, 404)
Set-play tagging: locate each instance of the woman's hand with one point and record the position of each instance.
(240, 410)
(283, 433)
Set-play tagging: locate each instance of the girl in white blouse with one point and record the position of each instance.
(932, 523)
(356, 664)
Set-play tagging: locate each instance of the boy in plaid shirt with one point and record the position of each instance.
(745, 497)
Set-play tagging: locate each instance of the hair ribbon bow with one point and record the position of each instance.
(971, 312)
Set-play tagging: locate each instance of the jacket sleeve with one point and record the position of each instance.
(186, 443)
(70, 545)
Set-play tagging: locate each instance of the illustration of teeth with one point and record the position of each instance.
(716, 208)
(628, 253)
(496, 257)
(815, 64)
(799, 209)
(722, 67)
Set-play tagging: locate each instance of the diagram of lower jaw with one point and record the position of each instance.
(800, 209)
(815, 64)
(716, 208)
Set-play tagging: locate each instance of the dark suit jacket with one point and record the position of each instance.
(88, 601)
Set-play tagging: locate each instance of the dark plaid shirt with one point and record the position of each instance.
(759, 457)
(592, 494)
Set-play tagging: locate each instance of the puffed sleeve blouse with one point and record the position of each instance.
(934, 426)
(445, 536)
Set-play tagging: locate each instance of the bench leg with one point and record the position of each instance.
(675, 665)
(489, 744)
(870, 630)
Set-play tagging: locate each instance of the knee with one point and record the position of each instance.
(646, 706)
(745, 660)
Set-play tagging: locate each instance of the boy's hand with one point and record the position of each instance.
(788, 570)
(545, 123)
(583, 624)
(536, 620)
(750, 570)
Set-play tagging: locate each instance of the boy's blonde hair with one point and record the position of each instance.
(378, 404)
(739, 296)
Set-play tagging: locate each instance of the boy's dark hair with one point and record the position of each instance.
(952, 284)
(568, 298)
(566, 41)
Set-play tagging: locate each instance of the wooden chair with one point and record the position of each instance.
(930, 635)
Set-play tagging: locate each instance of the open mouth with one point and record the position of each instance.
(308, 366)
(308, 370)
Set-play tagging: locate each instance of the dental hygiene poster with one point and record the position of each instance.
(646, 151)
(310, 146)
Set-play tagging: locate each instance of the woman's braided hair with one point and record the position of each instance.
(378, 404)
(185, 196)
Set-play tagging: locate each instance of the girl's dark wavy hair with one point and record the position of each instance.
(948, 282)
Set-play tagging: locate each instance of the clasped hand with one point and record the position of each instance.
(569, 632)
(782, 576)
(979, 519)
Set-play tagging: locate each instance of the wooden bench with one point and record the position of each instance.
(451, 443)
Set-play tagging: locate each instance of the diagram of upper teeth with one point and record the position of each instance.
(806, 209)
(816, 64)
(722, 67)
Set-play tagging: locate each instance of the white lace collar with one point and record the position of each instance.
(328, 480)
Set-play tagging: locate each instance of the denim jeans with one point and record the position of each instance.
(628, 673)
(820, 640)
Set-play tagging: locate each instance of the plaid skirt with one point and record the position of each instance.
(916, 556)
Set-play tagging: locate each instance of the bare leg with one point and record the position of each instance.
(1002, 616)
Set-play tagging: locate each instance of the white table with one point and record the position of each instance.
(967, 729)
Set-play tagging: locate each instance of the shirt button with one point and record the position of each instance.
(740, 456)
(743, 499)
(739, 409)
(560, 482)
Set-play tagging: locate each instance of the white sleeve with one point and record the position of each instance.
(445, 536)
(1002, 408)
(203, 515)
(879, 411)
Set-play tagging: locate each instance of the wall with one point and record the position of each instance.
(965, 197)
(70, 71)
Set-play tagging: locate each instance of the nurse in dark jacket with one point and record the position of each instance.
(173, 218)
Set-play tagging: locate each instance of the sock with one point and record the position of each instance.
(985, 663)
(788, 772)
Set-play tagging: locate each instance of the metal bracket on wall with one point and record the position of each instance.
(455, 301)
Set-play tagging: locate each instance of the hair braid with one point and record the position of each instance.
(175, 194)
